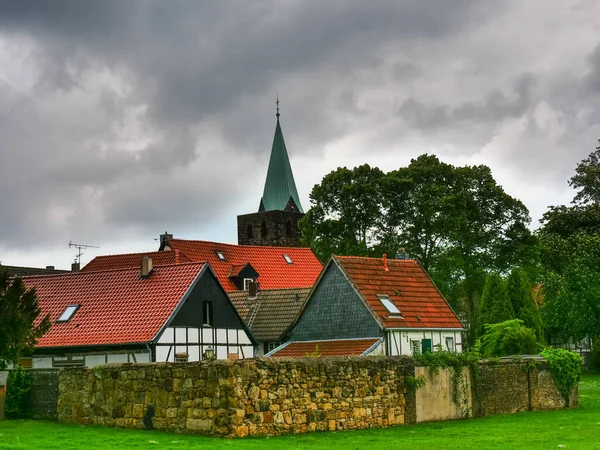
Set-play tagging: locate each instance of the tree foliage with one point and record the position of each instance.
(457, 221)
(509, 338)
(570, 286)
(345, 212)
(520, 293)
(587, 179)
(570, 256)
(495, 303)
(19, 325)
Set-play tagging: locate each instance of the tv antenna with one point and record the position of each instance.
(79, 248)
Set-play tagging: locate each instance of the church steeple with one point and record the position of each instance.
(280, 193)
(276, 222)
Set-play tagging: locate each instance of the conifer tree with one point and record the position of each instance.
(495, 303)
(19, 325)
(520, 294)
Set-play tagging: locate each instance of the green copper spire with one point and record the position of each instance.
(279, 186)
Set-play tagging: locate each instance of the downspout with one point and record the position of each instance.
(150, 352)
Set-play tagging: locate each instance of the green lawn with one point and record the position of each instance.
(573, 429)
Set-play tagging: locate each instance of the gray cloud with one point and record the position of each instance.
(121, 118)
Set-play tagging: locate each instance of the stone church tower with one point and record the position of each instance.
(276, 222)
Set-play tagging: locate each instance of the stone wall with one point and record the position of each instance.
(238, 398)
(513, 385)
(268, 396)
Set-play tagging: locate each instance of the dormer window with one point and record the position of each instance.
(220, 255)
(287, 258)
(68, 313)
(391, 308)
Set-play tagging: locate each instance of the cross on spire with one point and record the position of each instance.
(277, 103)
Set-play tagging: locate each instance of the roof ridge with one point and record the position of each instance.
(119, 269)
(372, 258)
(241, 245)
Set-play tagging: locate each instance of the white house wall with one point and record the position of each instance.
(195, 341)
(399, 341)
(89, 359)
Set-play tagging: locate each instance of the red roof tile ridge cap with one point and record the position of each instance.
(371, 258)
(119, 269)
(132, 254)
(340, 340)
(240, 246)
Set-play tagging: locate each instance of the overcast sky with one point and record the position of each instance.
(122, 119)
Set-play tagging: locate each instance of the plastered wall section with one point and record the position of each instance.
(446, 394)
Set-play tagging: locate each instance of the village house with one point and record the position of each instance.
(373, 306)
(175, 312)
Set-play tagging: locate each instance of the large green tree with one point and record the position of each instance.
(570, 256)
(457, 221)
(345, 212)
(20, 324)
(587, 179)
(571, 286)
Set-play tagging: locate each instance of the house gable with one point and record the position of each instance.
(334, 311)
(192, 312)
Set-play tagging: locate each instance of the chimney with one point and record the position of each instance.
(385, 262)
(164, 241)
(75, 267)
(49, 267)
(401, 254)
(146, 267)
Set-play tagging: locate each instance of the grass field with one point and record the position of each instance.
(572, 429)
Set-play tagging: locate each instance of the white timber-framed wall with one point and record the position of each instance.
(227, 343)
(400, 341)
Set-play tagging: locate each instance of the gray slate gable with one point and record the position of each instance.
(335, 311)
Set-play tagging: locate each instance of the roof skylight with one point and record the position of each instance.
(220, 255)
(287, 258)
(68, 313)
(385, 300)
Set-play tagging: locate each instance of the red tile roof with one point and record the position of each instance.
(117, 306)
(273, 271)
(130, 260)
(409, 288)
(341, 347)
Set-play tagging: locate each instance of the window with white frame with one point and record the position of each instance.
(220, 255)
(287, 258)
(389, 305)
(68, 313)
(450, 344)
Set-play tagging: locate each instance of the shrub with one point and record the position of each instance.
(17, 393)
(565, 367)
(509, 338)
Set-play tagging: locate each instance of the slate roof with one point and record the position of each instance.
(273, 271)
(117, 306)
(277, 310)
(16, 271)
(279, 184)
(409, 288)
(340, 347)
(130, 260)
